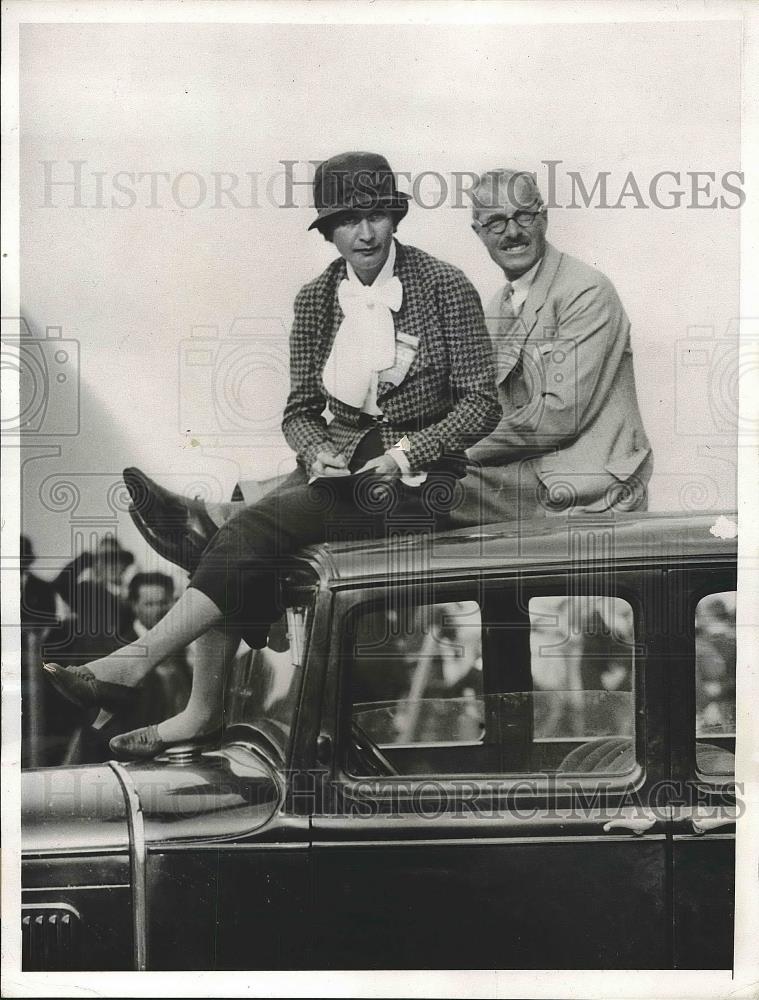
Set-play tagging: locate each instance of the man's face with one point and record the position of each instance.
(153, 601)
(364, 240)
(519, 246)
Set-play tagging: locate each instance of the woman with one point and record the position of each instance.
(394, 342)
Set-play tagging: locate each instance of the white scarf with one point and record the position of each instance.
(365, 342)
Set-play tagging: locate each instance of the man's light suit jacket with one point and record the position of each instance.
(571, 434)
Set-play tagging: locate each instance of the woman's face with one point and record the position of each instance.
(364, 240)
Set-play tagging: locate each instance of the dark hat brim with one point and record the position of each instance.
(397, 203)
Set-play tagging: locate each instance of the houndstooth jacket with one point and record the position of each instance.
(447, 400)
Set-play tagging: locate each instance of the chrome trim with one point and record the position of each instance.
(216, 845)
(256, 751)
(51, 906)
(535, 841)
(691, 838)
(47, 853)
(73, 888)
(138, 862)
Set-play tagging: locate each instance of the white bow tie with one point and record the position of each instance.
(353, 295)
(365, 342)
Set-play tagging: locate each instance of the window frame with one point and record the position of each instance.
(625, 582)
(693, 582)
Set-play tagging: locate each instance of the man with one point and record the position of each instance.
(419, 332)
(167, 688)
(39, 606)
(571, 435)
(92, 585)
(164, 691)
(39, 615)
(392, 342)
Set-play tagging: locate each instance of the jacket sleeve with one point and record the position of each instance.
(65, 583)
(564, 371)
(476, 409)
(303, 424)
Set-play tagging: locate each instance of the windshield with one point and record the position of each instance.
(264, 685)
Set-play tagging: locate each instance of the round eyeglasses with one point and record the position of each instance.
(496, 227)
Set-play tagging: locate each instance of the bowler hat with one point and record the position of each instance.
(352, 182)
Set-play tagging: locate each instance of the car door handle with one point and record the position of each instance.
(703, 822)
(631, 824)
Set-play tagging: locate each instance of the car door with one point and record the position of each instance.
(514, 822)
(703, 664)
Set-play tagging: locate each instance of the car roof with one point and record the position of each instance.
(577, 538)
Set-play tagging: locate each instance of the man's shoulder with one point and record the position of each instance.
(572, 271)
(431, 270)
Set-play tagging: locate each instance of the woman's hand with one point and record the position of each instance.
(384, 465)
(327, 464)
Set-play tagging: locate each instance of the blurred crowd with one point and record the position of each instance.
(715, 665)
(418, 674)
(99, 602)
(420, 680)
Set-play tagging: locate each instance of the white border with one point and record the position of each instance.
(386, 984)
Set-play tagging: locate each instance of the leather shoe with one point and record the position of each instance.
(80, 686)
(140, 744)
(176, 527)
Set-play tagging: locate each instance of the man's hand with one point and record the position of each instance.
(383, 465)
(326, 464)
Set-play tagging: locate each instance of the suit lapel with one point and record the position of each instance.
(509, 348)
(540, 288)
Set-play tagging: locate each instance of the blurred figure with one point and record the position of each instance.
(444, 697)
(582, 666)
(167, 688)
(163, 691)
(382, 657)
(38, 599)
(715, 664)
(92, 585)
(607, 663)
(556, 643)
(39, 615)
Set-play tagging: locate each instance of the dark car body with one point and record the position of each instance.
(443, 771)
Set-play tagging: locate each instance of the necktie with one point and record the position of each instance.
(508, 311)
(508, 347)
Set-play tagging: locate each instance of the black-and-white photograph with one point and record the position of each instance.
(374, 403)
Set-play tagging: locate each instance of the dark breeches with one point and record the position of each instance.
(240, 569)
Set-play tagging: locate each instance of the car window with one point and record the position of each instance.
(582, 666)
(715, 683)
(417, 677)
(455, 687)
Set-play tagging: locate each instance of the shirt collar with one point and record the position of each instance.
(521, 285)
(385, 274)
